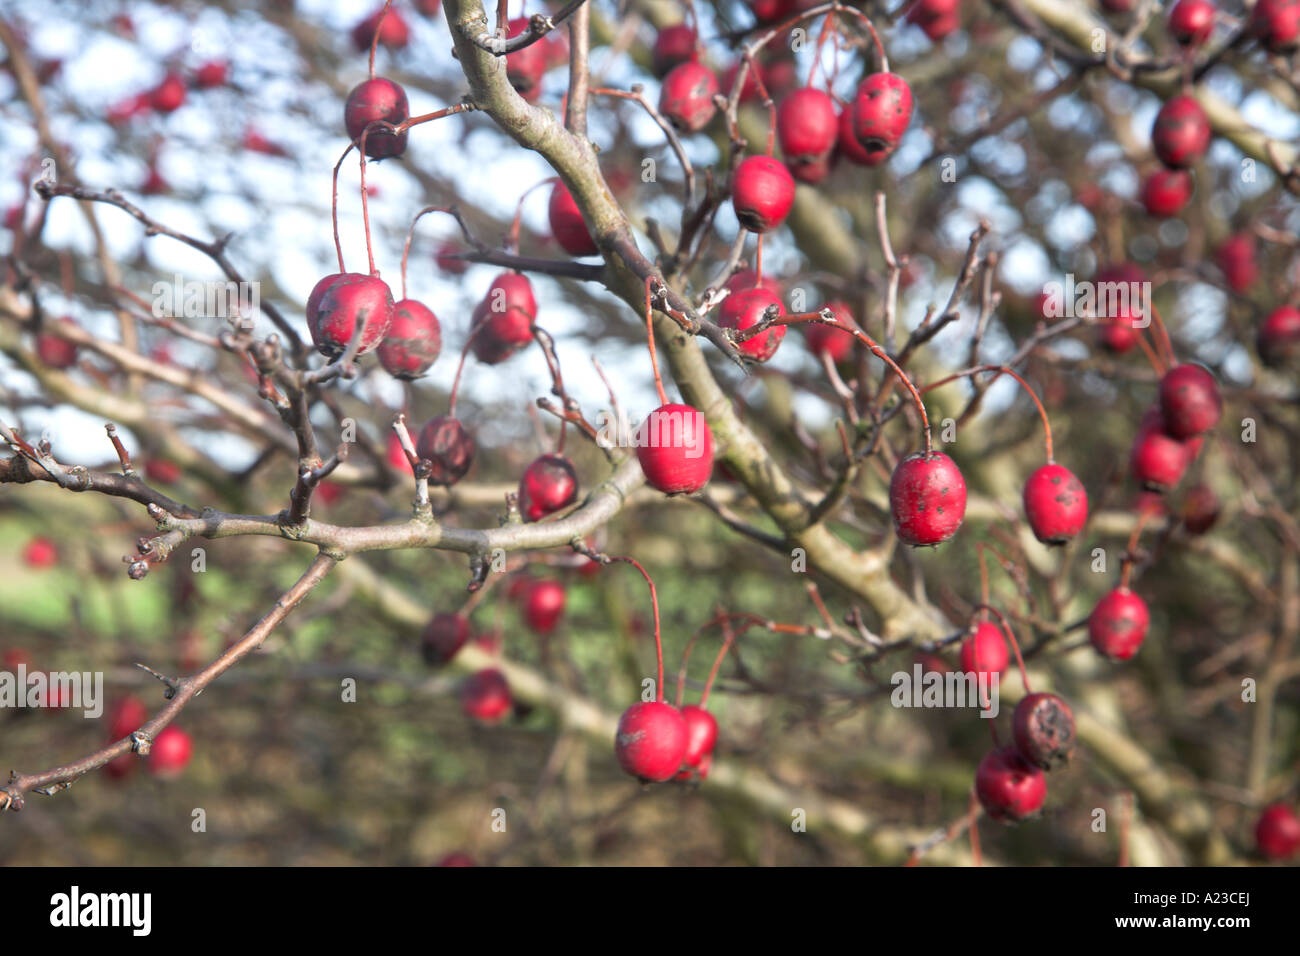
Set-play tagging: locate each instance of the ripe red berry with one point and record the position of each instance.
(675, 449)
(746, 279)
(1118, 624)
(339, 302)
(393, 31)
(1191, 21)
(806, 128)
(567, 225)
(937, 18)
(741, 310)
(544, 605)
(1119, 331)
(701, 737)
(1166, 192)
(985, 652)
(377, 100)
(169, 95)
(847, 144)
(1278, 338)
(40, 553)
(448, 260)
(651, 741)
(413, 340)
(1277, 833)
(161, 471)
(1158, 459)
(882, 110)
(548, 484)
(1236, 257)
(525, 68)
(1277, 24)
(827, 339)
(1190, 403)
(766, 11)
(211, 74)
(1043, 728)
(927, 497)
(508, 310)
(686, 96)
(1009, 788)
(1056, 504)
(255, 142)
(170, 752)
(126, 717)
(762, 193)
(449, 447)
(443, 637)
(54, 351)
(1181, 133)
(674, 45)
(485, 696)
(1200, 509)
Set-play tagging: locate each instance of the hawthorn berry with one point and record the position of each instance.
(549, 484)
(40, 553)
(526, 67)
(1166, 192)
(1278, 337)
(485, 696)
(443, 637)
(1191, 21)
(544, 605)
(413, 340)
(829, 340)
(1158, 459)
(1181, 133)
(984, 653)
(448, 447)
(1056, 504)
(673, 45)
(701, 737)
(448, 259)
(847, 144)
(744, 279)
(339, 302)
(1118, 624)
(211, 74)
(1200, 509)
(937, 18)
(927, 498)
(54, 351)
(651, 741)
(377, 100)
(1277, 832)
(1119, 332)
(1008, 787)
(161, 471)
(882, 110)
(766, 11)
(741, 310)
(169, 95)
(1236, 258)
(567, 224)
(507, 310)
(126, 717)
(1190, 403)
(170, 752)
(393, 31)
(675, 449)
(1043, 728)
(807, 128)
(762, 193)
(456, 858)
(686, 96)
(1277, 24)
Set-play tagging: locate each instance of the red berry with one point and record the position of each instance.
(1056, 504)
(701, 737)
(169, 95)
(1043, 728)
(377, 100)
(447, 258)
(169, 752)
(937, 18)
(674, 45)
(54, 351)
(1277, 834)
(686, 97)
(829, 340)
(1009, 788)
(1278, 338)
(507, 311)
(927, 497)
(1118, 624)
(485, 696)
(154, 184)
(255, 142)
(567, 225)
(339, 302)
(762, 193)
(525, 68)
(651, 741)
(453, 859)
(443, 637)
(1236, 257)
(446, 444)
(766, 11)
(849, 147)
(129, 108)
(675, 449)
(1157, 458)
(393, 31)
(1181, 133)
(413, 340)
(161, 471)
(1189, 401)
(210, 74)
(985, 652)
(1277, 24)
(1191, 21)
(746, 279)
(1166, 192)
(1119, 332)
(40, 553)
(548, 484)
(126, 717)
(544, 605)
(806, 127)
(1200, 510)
(741, 310)
(882, 110)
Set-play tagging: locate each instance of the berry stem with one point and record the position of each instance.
(455, 382)
(1126, 562)
(365, 204)
(512, 239)
(729, 638)
(334, 208)
(650, 338)
(1007, 370)
(1165, 340)
(1015, 645)
(410, 236)
(374, 40)
(654, 601)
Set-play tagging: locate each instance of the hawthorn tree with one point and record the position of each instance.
(854, 345)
